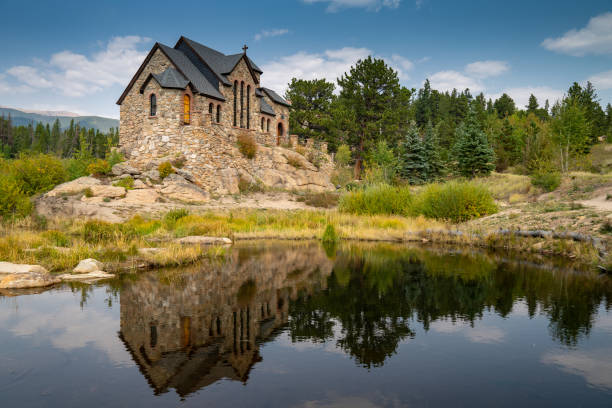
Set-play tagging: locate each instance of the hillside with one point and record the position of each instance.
(21, 118)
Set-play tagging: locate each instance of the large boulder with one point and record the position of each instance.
(124, 168)
(141, 196)
(73, 187)
(15, 269)
(230, 179)
(176, 187)
(152, 175)
(85, 277)
(19, 276)
(88, 265)
(107, 191)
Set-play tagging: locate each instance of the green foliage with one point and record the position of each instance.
(114, 157)
(127, 183)
(172, 216)
(413, 166)
(455, 201)
(315, 156)
(474, 155)
(324, 199)
(311, 103)
(382, 159)
(247, 145)
(570, 131)
(88, 192)
(378, 199)
(56, 238)
(37, 173)
(343, 155)
(504, 106)
(77, 167)
(99, 167)
(14, 203)
(546, 179)
(435, 165)
(330, 236)
(94, 232)
(165, 169)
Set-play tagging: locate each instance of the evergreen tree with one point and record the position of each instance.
(54, 139)
(413, 157)
(532, 106)
(474, 155)
(504, 106)
(435, 165)
(374, 103)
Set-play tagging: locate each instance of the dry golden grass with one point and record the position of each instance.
(502, 186)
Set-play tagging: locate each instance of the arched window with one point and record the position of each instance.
(248, 109)
(235, 102)
(218, 113)
(268, 125)
(153, 101)
(210, 108)
(186, 109)
(242, 104)
(263, 124)
(280, 129)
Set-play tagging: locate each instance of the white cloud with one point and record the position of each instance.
(595, 38)
(75, 75)
(376, 5)
(329, 65)
(481, 333)
(595, 365)
(485, 69)
(271, 33)
(449, 80)
(521, 95)
(603, 80)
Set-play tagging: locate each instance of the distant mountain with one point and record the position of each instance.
(24, 117)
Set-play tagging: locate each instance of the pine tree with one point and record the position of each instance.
(474, 155)
(532, 106)
(413, 157)
(435, 165)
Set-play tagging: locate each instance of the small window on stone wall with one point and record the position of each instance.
(210, 108)
(268, 125)
(263, 124)
(186, 109)
(153, 101)
(218, 113)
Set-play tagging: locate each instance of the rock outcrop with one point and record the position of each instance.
(19, 276)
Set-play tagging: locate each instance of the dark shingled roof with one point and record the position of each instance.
(171, 78)
(197, 79)
(275, 97)
(220, 63)
(265, 108)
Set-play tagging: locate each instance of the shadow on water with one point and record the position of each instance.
(187, 328)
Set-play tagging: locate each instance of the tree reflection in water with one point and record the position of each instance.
(188, 328)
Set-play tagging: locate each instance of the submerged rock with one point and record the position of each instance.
(202, 240)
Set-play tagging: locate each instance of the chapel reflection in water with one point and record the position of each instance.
(189, 328)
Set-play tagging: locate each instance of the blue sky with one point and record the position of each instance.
(78, 56)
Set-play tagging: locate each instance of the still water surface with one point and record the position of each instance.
(278, 325)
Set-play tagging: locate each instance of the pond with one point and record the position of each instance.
(297, 325)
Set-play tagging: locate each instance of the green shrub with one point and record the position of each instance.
(246, 186)
(114, 157)
(57, 238)
(315, 157)
(173, 216)
(76, 168)
(179, 162)
(140, 227)
(94, 232)
(547, 180)
(88, 192)
(14, 203)
(456, 201)
(37, 174)
(165, 169)
(329, 235)
(99, 167)
(247, 145)
(127, 183)
(378, 199)
(343, 155)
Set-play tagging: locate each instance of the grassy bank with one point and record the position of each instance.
(60, 244)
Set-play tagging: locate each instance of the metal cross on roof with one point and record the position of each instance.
(245, 48)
